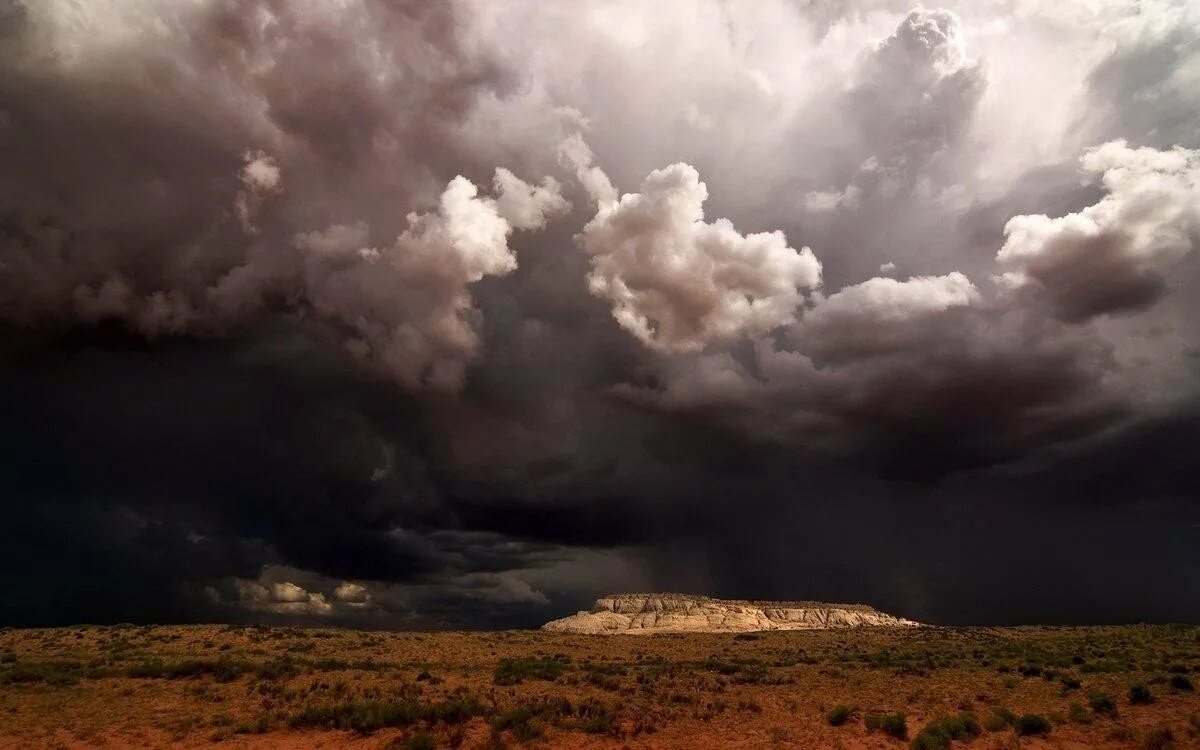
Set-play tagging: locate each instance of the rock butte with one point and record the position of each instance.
(682, 613)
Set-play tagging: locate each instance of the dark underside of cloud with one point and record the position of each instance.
(380, 318)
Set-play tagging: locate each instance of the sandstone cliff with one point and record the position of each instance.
(681, 613)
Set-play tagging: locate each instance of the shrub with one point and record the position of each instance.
(751, 706)
(1140, 695)
(714, 664)
(893, 724)
(1159, 739)
(930, 739)
(1181, 684)
(838, 715)
(939, 733)
(1102, 703)
(50, 672)
(519, 721)
(968, 725)
(513, 671)
(597, 718)
(999, 720)
(368, 716)
(222, 670)
(1078, 714)
(420, 741)
(1032, 724)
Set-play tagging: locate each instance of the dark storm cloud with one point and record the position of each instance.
(334, 315)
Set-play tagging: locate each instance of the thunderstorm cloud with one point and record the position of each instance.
(463, 313)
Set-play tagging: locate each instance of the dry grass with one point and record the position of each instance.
(291, 687)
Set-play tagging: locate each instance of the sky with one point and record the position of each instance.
(459, 315)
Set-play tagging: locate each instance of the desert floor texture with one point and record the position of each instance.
(237, 687)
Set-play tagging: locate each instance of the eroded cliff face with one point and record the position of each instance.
(681, 613)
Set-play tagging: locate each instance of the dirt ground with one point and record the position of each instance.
(258, 687)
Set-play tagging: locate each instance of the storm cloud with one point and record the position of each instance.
(401, 314)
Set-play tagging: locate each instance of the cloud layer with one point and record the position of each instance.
(1114, 255)
(347, 314)
(676, 282)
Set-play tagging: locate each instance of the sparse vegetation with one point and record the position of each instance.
(222, 670)
(520, 720)
(420, 741)
(1028, 724)
(999, 720)
(1140, 695)
(838, 715)
(1160, 738)
(1103, 703)
(375, 715)
(1078, 714)
(939, 733)
(514, 671)
(892, 724)
(217, 683)
(597, 718)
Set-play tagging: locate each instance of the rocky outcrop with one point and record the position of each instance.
(681, 613)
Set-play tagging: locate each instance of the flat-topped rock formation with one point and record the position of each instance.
(682, 613)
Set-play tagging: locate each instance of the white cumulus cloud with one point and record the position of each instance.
(1113, 255)
(677, 282)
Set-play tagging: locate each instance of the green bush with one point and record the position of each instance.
(1103, 703)
(1140, 695)
(893, 724)
(420, 741)
(1078, 714)
(368, 716)
(1032, 724)
(1159, 739)
(49, 672)
(939, 733)
(999, 720)
(222, 670)
(1181, 684)
(522, 718)
(520, 721)
(597, 718)
(514, 671)
(838, 715)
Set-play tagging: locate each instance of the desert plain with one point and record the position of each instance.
(928, 687)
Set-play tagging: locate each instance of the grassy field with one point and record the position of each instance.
(923, 688)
